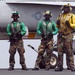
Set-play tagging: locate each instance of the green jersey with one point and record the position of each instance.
(46, 27)
(18, 26)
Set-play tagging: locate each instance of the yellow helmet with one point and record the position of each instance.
(66, 5)
(47, 13)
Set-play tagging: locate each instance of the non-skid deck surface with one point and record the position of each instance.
(31, 72)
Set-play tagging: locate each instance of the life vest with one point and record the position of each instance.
(15, 29)
(46, 28)
(63, 27)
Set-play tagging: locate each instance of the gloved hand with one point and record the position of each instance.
(50, 34)
(12, 34)
(12, 37)
(67, 23)
(58, 22)
(42, 35)
(18, 34)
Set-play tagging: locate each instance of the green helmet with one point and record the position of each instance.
(15, 13)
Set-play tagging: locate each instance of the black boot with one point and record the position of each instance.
(72, 69)
(36, 68)
(11, 67)
(24, 67)
(58, 68)
(68, 68)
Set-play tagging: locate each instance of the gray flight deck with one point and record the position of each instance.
(38, 72)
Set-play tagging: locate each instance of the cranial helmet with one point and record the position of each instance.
(15, 13)
(48, 13)
(66, 5)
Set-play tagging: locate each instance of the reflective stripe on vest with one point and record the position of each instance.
(47, 27)
(64, 28)
(17, 28)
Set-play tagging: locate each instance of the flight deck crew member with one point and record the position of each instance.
(15, 31)
(65, 24)
(46, 29)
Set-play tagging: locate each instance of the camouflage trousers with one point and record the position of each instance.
(16, 46)
(45, 46)
(64, 44)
